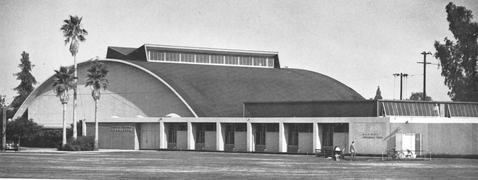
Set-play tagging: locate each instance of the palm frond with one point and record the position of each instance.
(63, 82)
(97, 78)
(73, 32)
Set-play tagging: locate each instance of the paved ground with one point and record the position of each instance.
(114, 164)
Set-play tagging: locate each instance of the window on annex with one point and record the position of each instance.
(182, 126)
(210, 127)
(231, 60)
(341, 127)
(202, 58)
(270, 62)
(463, 110)
(261, 134)
(410, 109)
(240, 127)
(273, 127)
(260, 62)
(156, 56)
(247, 61)
(215, 59)
(170, 56)
(229, 133)
(305, 128)
(152, 55)
(186, 57)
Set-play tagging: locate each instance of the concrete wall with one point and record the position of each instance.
(305, 143)
(240, 143)
(369, 137)
(131, 92)
(372, 135)
(272, 142)
(341, 140)
(442, 138)
(210, 140)
(182, 141)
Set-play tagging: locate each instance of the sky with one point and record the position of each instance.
(359, 43)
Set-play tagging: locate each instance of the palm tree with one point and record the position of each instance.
(74, 33)
(97, 80)
(63, 81)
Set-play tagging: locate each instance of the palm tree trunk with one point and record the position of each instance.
(95, 147)
(75, 133)
(63, 143)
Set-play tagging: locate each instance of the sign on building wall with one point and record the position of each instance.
(122, 129)
(372, 135)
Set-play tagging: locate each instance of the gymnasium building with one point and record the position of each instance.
(188, 98)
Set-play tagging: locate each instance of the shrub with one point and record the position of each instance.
(82, 143)
(45, 138)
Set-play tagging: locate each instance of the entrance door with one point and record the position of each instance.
(260, 136)
(334, 134)
(408, 141)
(200, 136)
(149, 136)
(293, 137)
(172, 135)
(229, 142)
(412, 142)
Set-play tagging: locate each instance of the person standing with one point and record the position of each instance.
(353, 150)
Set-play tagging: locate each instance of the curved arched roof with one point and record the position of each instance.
(220, 91)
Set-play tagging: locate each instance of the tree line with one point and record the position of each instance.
(65, 79)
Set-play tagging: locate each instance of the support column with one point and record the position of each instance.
(317, 144)
(282, 140)
(83, 127)
(250, 138)
(191, 141)
(219, 137)
(163, 141)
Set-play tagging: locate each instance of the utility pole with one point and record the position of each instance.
(401, 81)
(425, 72)
(4, 122)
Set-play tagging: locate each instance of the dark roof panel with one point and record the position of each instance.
(220, 91)
(136, 54)
(118, 52)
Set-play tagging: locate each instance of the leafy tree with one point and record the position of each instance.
(22, 128)
(62, 83)
(418, 96)
(459, 59)
(74, 34)
(378, 95)
(27, 80)
(97, 80)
